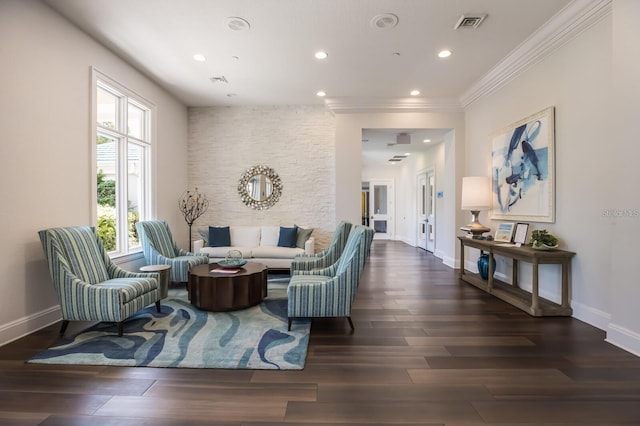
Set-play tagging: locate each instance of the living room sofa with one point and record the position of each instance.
(273, 246)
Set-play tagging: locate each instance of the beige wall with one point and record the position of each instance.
(624, 327)
(561, 80)
(45, 151)
(596, 154)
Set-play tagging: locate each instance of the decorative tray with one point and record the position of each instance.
(232, 263)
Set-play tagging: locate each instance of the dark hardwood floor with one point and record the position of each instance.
(427, 349)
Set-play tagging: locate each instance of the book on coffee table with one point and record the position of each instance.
(225, 270)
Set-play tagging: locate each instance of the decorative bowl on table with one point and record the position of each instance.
(543, 246)
(231, 263)
(543, 240)
(234, 259)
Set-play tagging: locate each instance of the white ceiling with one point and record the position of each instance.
(273, 63)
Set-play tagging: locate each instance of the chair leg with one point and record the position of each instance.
(63, 328)
(289, 328)
(350, 323)
(120, 328)
(158, 307)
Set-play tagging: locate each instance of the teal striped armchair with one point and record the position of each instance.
(89, 286)
(160, 249)
(326, 257)
(330, 292)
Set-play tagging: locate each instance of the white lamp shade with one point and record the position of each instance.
(476, 194)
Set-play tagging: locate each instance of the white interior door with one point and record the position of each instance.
(422, 211)
(431, 211)
(381, 209)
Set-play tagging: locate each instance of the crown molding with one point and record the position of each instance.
(576, 17)
(350, 105)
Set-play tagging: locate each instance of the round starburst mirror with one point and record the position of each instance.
(260, 187)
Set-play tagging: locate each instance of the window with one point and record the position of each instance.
(122, 164)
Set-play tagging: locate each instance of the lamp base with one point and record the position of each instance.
(475, 229)
(475, 233)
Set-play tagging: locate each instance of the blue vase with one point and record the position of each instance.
(483, 265)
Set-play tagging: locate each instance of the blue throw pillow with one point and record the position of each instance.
(219, 236)
(288, 237)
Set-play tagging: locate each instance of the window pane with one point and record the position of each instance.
(107, 172)
(135, 119)
(380, 199)
(107, 111)
(135, 191)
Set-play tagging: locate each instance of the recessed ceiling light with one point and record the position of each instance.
(199, 57)
(235, 58)
(415, 92)
(444, 53)
(426, 140)
(384, 21)
(321, 55)
(407, 154)
(321, 93)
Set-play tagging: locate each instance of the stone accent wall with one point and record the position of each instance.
(298, 142)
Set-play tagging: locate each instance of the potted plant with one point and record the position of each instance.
(543, 240)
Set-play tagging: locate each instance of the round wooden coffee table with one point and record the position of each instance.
(220, 291)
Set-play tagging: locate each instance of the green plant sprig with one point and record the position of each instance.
(540, 237)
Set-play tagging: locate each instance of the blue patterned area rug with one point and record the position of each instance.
(183, 336)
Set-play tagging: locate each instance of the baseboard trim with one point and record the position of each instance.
(451, 262)
(623, 338)
(591, 316)
(19, 328)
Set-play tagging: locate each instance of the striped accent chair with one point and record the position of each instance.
(160, 249)
(326, 257)
(330, 292)
(89, 286)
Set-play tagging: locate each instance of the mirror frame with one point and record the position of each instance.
(276, 184)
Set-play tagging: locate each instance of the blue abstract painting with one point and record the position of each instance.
(522, 169)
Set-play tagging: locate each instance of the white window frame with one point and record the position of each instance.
(147, 209)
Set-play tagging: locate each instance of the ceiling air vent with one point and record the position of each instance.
(403, 139)
(469, 21)
(219, 79)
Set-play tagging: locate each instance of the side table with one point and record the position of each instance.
(163, 271)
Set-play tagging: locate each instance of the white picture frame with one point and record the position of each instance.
(523, 169)
(504, 233)
(520, 233)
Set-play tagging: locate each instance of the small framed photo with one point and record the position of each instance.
(520, 234)
(504, 232)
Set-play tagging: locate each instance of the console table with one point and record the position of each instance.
(531, 303)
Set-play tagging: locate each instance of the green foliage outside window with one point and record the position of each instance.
(106, 211)
(106, 191)
(107, 215)
(107, 227)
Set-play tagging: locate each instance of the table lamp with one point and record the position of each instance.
(475, 197)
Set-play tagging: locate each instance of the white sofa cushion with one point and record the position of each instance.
(269, 236)
(245, 236)
(247, 252)
(274, 252)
